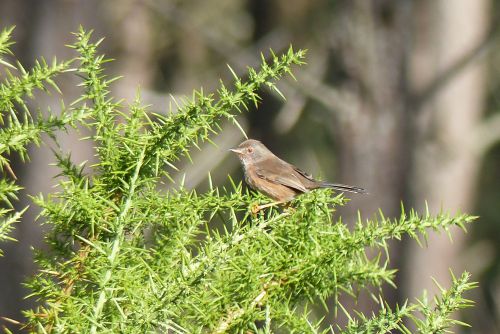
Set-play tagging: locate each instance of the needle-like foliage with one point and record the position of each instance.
(20, 125)
(127, 257)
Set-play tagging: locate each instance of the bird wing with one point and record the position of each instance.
(280, 172)
(304, 174)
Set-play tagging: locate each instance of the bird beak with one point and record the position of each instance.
(236, 150)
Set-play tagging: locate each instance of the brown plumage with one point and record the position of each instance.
(276, 178)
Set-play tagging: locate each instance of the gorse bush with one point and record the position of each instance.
(127, 257)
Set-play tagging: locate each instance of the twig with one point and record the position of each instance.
(233, 314)
(117, 243)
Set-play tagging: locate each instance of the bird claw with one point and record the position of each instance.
(255, 208)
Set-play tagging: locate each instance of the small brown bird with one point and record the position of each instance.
(278, 179)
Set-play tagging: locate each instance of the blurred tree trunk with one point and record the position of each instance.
(370, 127)
(398, 147)
(371, 43)
(368, 101)
(132, 26)
(446, 161)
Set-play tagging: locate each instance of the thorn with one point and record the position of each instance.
(11, 172)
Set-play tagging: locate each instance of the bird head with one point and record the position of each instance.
(251, 151)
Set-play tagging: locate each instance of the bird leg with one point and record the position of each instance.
(256, 208)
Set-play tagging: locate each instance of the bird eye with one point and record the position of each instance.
(249, 150)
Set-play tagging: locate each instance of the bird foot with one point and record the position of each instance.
(256, 208)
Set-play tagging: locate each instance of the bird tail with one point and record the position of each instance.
(343, 188)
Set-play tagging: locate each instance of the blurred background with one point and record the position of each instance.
(399, 97)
